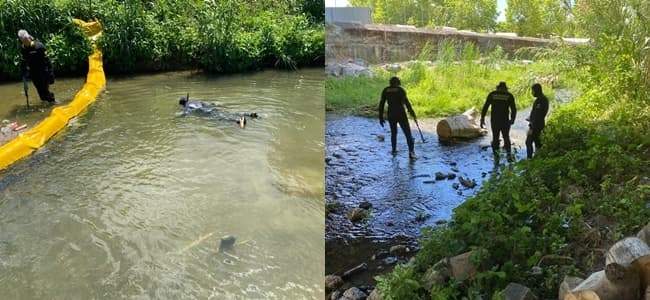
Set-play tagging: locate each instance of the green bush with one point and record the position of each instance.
(217, 36)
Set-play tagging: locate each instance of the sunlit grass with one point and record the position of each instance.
(441, 89)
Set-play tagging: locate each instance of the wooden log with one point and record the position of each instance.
(630, 253)
(464, 125)
(598, 287)
(627, 266)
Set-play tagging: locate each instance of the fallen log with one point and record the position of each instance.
(626, 274)
(460, 126)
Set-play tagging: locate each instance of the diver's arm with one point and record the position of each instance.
(408, 105)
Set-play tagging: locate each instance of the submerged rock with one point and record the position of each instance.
(440, 176)
(365, 205)
(466, 182)
(227, 242)
(354, 293)
(357, 214)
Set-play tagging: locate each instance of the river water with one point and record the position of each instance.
(131, 199)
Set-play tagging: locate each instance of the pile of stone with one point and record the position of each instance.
(353, 68)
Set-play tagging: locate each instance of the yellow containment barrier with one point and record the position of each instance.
(35, 137)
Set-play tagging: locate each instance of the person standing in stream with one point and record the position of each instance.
(504, 112)
(536, 120)
(36, 65)
(395, 95)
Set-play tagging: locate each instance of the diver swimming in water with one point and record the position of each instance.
(206, 108)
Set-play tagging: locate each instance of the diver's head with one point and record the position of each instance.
(537, 89)
(502, 86)
(394, 81)
(24, 37)
(182, 101)
(253, 115)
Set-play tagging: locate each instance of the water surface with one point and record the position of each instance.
(131, 199)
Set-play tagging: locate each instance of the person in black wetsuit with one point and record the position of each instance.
(502, 116)
(395, 95)
(206, 108)
(536, 120)
(36, 65)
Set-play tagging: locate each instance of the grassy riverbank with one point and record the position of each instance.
(587, 188)
(219, 37)
(452, 83)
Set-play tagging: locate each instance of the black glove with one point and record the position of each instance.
(482, 123)
(512, 122)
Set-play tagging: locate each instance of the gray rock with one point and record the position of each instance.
(440, 176)
(451, 176)
(374, 295)
(335, 295)
(333, 282)
(354, 293)
(516, 291)
(466, 182)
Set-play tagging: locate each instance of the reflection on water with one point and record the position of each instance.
(130, 200)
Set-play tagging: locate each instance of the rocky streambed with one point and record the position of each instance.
(377, 203)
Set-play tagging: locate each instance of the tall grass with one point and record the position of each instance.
(457, 80)
(217, 36)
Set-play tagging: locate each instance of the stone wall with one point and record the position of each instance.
(394, 43)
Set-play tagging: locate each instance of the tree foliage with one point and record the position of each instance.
(477, 15)
(152, 35)
(540, 17)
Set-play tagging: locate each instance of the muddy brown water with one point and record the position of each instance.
(129, 201)
(404, 194)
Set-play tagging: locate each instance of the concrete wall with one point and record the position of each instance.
(358, 15)
(395, 43)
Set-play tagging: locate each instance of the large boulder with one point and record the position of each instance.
(461, 266)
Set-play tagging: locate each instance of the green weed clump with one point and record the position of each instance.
(458, 79)
(587, 188)
(217, 36)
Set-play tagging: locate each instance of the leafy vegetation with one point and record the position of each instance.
(536, 18)
(587, 188)
(475, 15)
(217, 36)
(458, 79)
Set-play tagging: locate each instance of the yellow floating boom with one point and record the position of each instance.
(35, 137)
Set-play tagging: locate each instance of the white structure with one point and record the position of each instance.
(358, 15)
